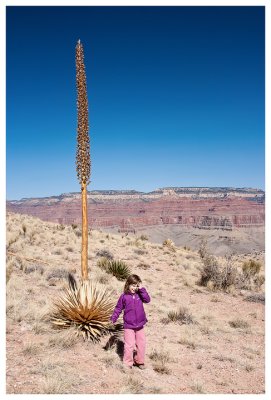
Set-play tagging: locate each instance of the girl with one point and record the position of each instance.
(131, 301)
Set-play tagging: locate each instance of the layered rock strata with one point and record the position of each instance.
(203, 208)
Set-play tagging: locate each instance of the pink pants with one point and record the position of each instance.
(134, 340)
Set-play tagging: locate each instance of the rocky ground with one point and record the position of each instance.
(221, 351)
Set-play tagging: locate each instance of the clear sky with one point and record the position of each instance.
(176, 97)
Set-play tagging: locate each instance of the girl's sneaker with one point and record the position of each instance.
(140, 366)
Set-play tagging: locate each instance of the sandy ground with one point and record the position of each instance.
(208, 356)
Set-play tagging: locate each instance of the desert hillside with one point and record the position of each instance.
(202, 336)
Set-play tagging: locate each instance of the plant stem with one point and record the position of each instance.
(84, 253)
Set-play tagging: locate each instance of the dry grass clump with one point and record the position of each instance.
(190, 338)
(103, 278)
(197, 387)
(239, 324)
(57, 378)
(182, 316)
(169, 244)
(31, 349)
(102, 263)
(160, 359)
(223, 358)
(188, 342)
(65, 339)
(133, 386)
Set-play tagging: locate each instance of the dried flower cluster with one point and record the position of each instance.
(83, 163)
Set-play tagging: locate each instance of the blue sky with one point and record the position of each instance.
(176, 97)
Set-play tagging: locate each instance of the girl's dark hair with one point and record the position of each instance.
(131, 280)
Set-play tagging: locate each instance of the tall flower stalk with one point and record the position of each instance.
(83, 162)
(88, 305)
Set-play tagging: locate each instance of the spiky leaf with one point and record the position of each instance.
(119, 269)
(87, 306)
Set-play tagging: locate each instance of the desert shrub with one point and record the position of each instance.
(138, 243)
(34, 268)
(161, 368)
(187, 248)
(17, 263)
(105, 253)
(59, 273)
(103, 279)
(251, 267)
(144, 237)
(11, 241)
(57, 252)
(9, 270)
(209, 272)
(140, 252)
(70, 249)
(250, 282)
(203, 249)
(168, 243)
(256, 298)
(74, 226)
(220, 276)
(77, 232)
(258, 281)
(143, 266)
(103, 263)
(24, 229)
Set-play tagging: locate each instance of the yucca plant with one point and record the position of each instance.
(87, 307)
(119, 269)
